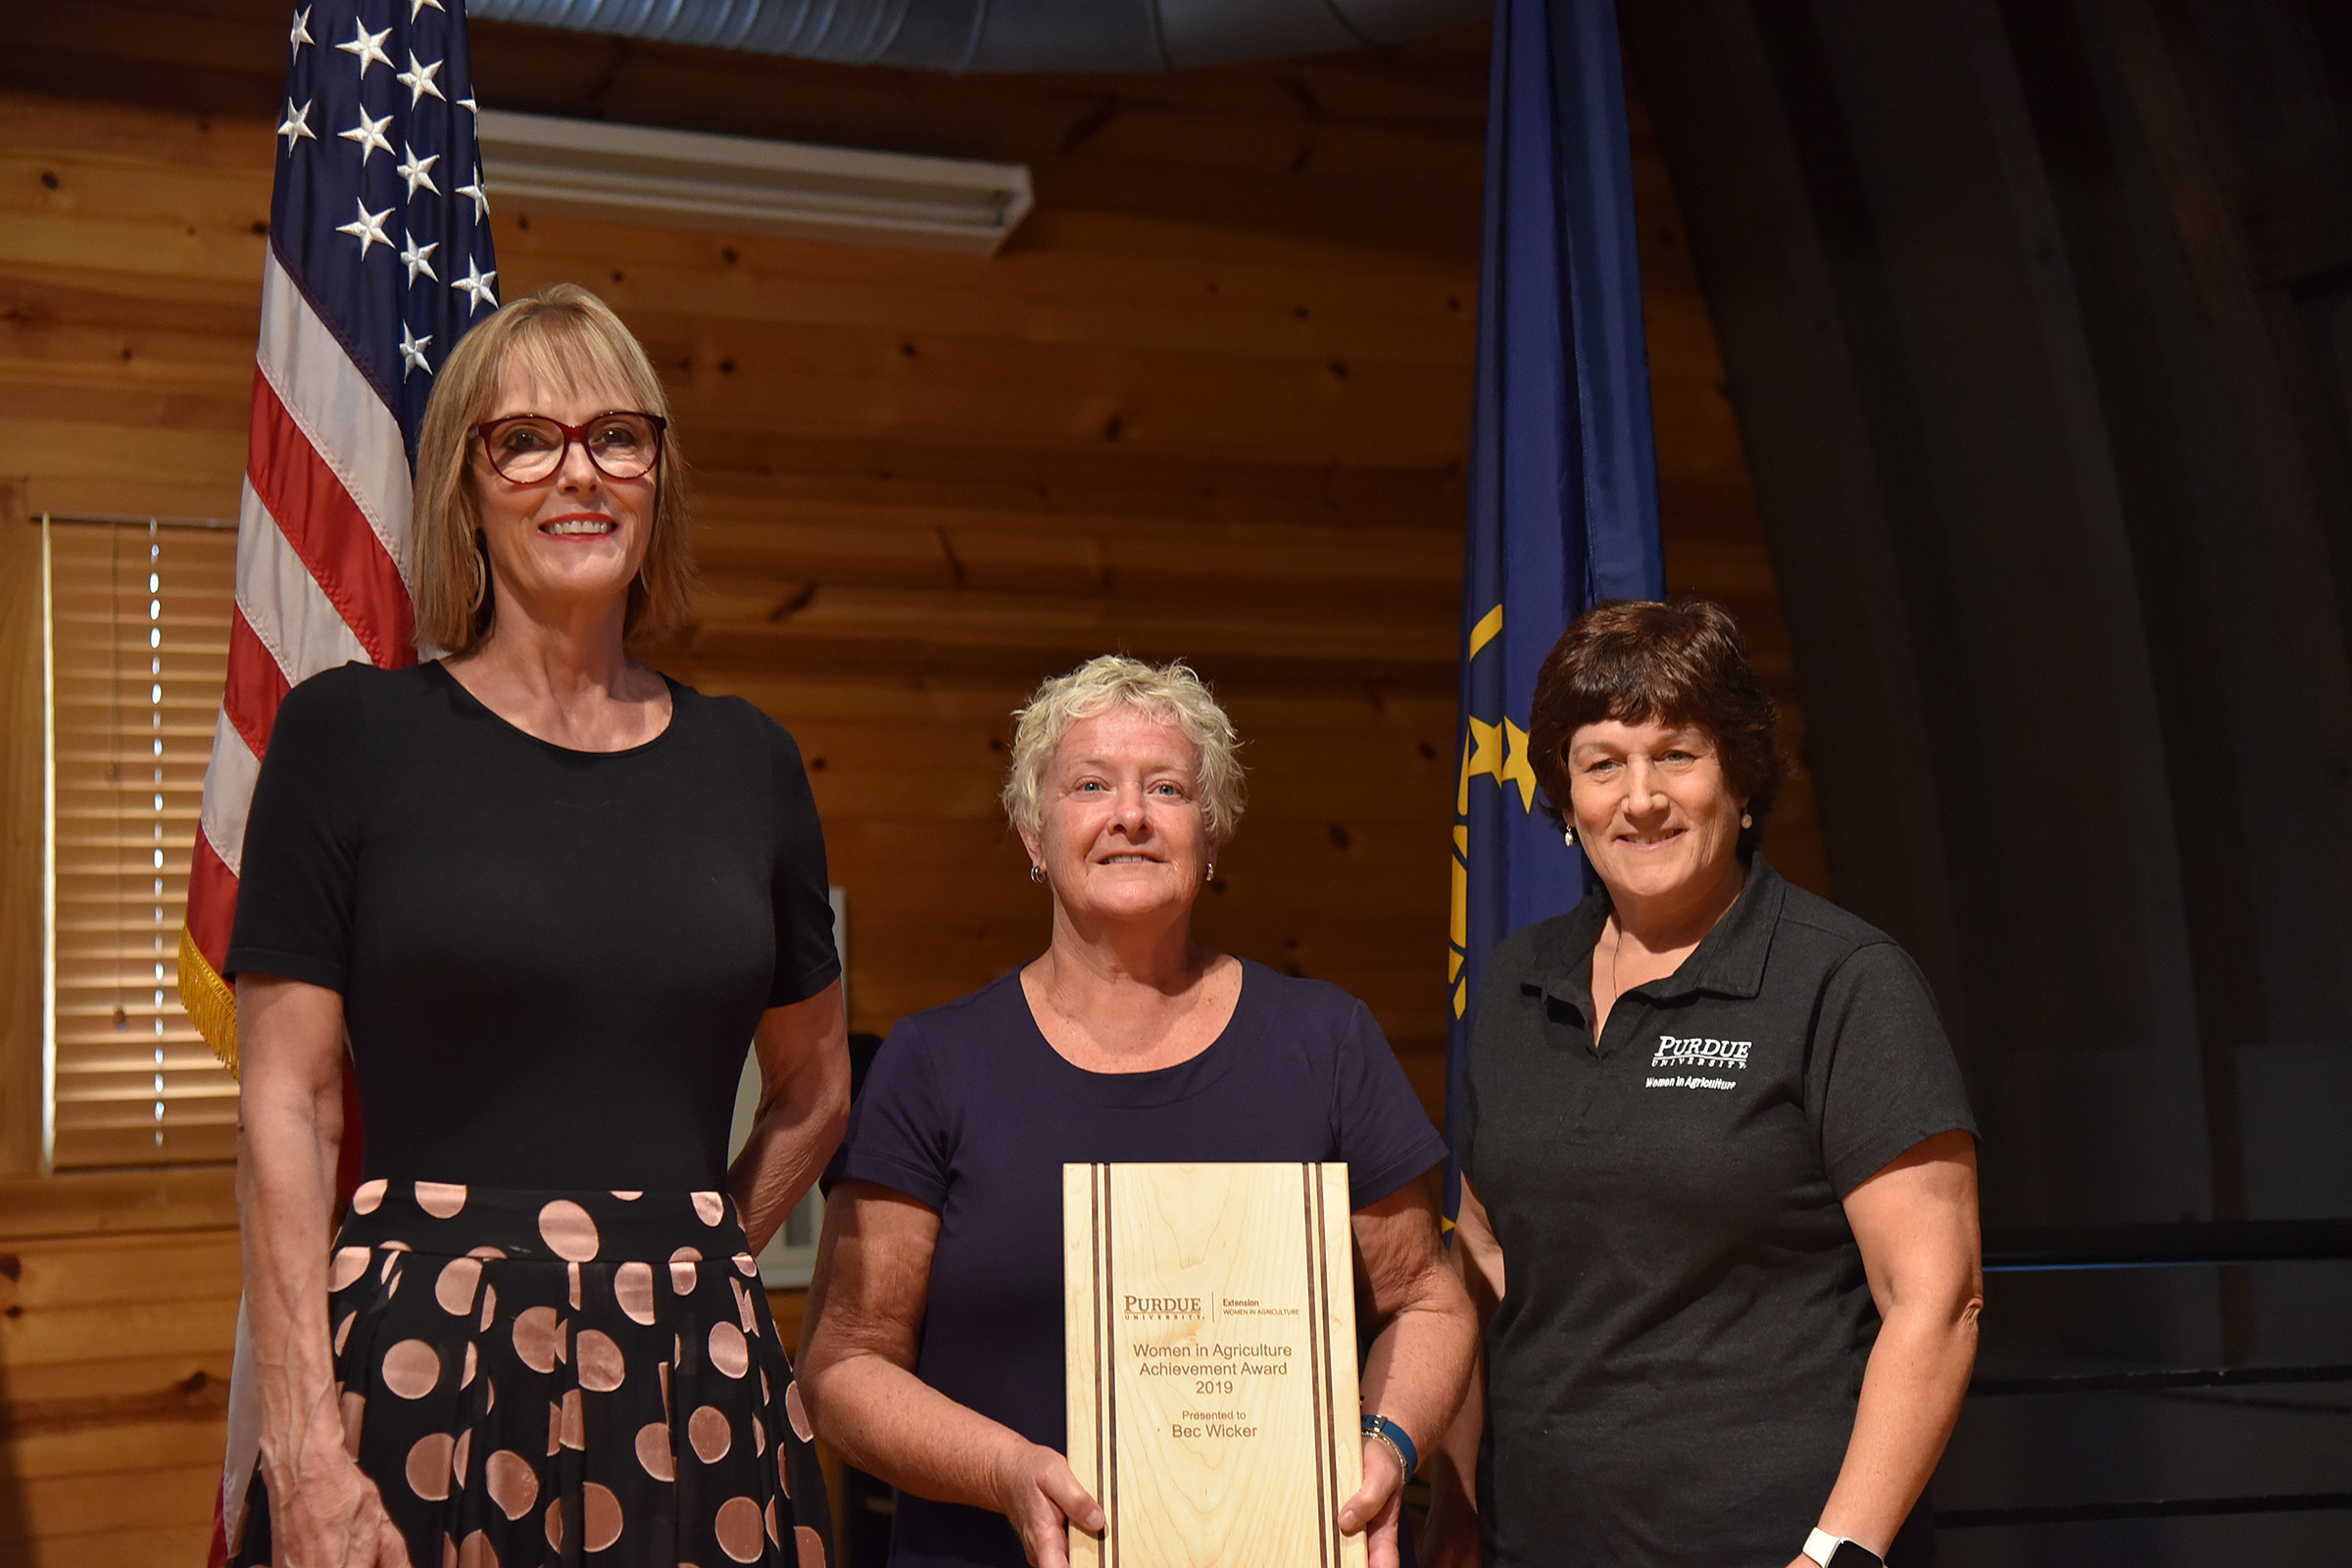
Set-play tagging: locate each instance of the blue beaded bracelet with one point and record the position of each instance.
(1390, 1432)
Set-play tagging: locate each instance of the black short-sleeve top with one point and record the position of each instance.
(551, 961)
(1675, 1362)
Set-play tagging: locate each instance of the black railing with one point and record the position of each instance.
(2071, 1248)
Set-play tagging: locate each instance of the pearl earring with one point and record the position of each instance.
(1747, 820)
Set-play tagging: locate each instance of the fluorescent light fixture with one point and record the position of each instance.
(744, 186)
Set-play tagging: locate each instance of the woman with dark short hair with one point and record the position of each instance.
(536, 897)
(1719, 1202)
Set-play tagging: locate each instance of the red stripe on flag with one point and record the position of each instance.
(212, 902)
(256, 684)
(329, 532)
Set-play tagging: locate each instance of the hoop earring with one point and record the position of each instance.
(481, 579)
(1037, 873)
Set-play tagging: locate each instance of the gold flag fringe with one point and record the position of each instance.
(210, 1004)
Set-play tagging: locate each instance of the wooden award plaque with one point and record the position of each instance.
(1210, 1348)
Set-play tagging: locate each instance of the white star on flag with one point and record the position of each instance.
(368, 230)
(297, 125)
(475, 286)
(467, 101)
(419, 80)
(300, 32)
(417, 259)
(477, 193)
(417, 171)
(369, 46)
(369, 134)
(417, 7)
(412, 351)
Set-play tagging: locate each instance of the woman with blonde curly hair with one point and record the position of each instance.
(537, 897)
(934, 1352)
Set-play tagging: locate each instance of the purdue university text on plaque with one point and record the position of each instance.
(1210, 1350)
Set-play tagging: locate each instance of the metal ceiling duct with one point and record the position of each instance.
(962, 35)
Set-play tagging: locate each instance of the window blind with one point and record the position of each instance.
(139, 626)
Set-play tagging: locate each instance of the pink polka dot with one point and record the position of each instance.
(460, 1457)
(758, 1437)
(466, 1378)
(365, 1197)
(477, 1552)
(728, 1352)
(454, 1290)
(797, 1412)
(745, 1264)
(488, 1254)
(343, 1331)
(600, 1363)
(429, 1466)
(783, 1472)
(681, 1279)
(571, 1279)
(743, 1307)
(350, 1263)
(554, 1522)
(770, 1513)
(441, 1200)
(573, 1429)
(567, 1230)
(738, 1526)
(764, 1393)
(600, 1516)
(555, 1428)
(707, 1430)
(489, 1306)
(513, 1484)
(626, 1198)
(448, 1552)
(396, 1247)
(812, 1547)
(634, 1290)
(537, 1338)
(710, 1207)
(412, 1368)
(652, 1451)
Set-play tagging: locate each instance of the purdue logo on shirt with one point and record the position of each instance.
(1697, 1063)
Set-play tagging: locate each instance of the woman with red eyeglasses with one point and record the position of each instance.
(535, 897)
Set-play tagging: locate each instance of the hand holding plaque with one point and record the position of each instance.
(1210, 1345)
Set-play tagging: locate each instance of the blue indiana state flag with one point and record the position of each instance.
(1563, 481)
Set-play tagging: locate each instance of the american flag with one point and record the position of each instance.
(380, 259)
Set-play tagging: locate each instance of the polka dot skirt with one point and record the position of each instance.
(565, 1378)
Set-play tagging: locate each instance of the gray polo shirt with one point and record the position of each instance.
(1672, 1374)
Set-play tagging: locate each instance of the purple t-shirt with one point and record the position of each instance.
(969, 1111)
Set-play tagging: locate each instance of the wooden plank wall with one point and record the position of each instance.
(1212, 401)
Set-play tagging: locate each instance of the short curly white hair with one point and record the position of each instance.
(1170, 691)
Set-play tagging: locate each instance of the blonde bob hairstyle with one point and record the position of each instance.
(1169, 692)
(562, 336)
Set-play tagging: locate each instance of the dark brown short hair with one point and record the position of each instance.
(1638, 663)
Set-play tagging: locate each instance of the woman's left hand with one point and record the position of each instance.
(1376, 1504)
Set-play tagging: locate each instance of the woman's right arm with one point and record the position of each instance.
(857, 1374)
(323, 1512)
(1450, 1538)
